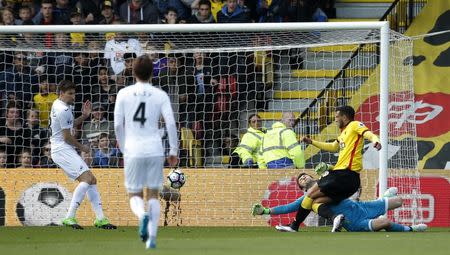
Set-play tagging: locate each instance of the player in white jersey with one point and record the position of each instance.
(116, 48)
(64, 155)
(136, 116)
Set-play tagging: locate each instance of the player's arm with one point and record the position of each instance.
(331, 147)
(85, 113)
(119, 118)
(68, 138)
(361, 129)
(167, 114)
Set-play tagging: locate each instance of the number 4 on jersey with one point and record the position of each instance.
(139, 115)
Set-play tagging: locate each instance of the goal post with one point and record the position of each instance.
(300, 67)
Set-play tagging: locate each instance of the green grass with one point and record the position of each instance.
(219, 240)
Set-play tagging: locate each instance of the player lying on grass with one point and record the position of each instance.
(359, 216)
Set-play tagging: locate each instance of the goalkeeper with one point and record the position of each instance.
(359, 216)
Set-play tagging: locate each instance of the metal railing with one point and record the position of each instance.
(339, 90)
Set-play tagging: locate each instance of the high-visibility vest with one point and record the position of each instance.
(250, 146)
(281, 142)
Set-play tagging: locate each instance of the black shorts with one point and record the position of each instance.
(339, 184)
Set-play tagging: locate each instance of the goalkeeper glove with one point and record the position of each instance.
(258, 209)
(322, 168)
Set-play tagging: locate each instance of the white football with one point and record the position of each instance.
(43, 204)
(176, 178)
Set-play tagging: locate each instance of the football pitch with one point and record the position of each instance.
(219, 240)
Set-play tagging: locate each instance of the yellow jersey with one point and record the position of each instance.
(44, 105)
(351, 143)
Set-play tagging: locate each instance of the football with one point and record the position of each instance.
(43, 204)
(176, 178)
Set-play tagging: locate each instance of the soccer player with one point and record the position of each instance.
(136, 117)
(64, 155)
(359, 216)
(342, 180)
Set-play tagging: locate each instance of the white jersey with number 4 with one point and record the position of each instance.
(136, 117)
(61, 117)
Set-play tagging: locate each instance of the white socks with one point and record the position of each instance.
(96, 202)
(78, 196)
(137, 206)
(154, 208)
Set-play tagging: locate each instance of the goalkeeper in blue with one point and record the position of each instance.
(359, 216)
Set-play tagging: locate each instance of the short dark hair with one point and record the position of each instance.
(143, 68)
(12, 104)
(66, 85)
(299, 176)
(47, 2)
(103, 135)
(253, 115)
(347, 111)
(204, 2)
(171, 9)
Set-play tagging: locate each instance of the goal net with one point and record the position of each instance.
(216, 81)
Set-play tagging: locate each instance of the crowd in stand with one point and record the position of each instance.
(205, 89)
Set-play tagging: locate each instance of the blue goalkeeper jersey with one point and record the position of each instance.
(358, 215)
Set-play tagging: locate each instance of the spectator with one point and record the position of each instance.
(46, 157)
(25, 159)
(24, 15)
(249, 149)
(29, 40)
(105, 156)
(76, 39)
(280, 148)
(63, 11)
(43, 101)
(101, 92)
(203, 14)
(272, 12)
(16, 82)
(159, 64)
(45, 17)
(232, 13)
(39, 136)
(83, 77)
(2, 159)
(60, 64)
(170, 16)
(8, 17)
(13, 138)
(173, 81)
(137, 11)
(182, 7)
(216, 6)
(98, 124)
(112, 96)
(108, 16)
(90, 10)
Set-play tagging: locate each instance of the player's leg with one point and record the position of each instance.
(76, 169)
(305, 207)
(94, 197)
(154, 209)
(134, 182)
(154, 183)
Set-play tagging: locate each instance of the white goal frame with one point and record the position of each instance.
(382, 26)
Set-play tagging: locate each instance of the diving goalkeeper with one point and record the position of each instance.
(359, 216)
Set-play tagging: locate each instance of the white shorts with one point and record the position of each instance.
(72, 164)
(143, 172)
